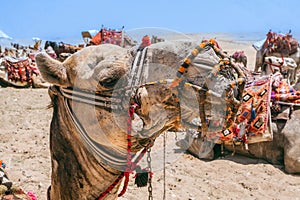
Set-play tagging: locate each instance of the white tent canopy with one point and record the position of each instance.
(4, 35)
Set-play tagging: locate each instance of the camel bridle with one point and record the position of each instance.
(271, 65)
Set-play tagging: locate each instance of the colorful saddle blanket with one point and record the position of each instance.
(254, 117)
(20, 71)
(284, 93)
(253, 122)
(108, 36)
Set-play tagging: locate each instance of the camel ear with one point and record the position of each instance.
(53, 71)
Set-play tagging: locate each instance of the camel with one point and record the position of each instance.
(100, 91)
(89, 138)
(279, 51)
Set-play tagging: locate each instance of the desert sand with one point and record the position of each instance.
(24, 130)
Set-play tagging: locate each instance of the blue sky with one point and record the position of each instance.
(67, 18)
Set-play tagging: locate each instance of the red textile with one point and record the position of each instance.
(286, 93)
(96, 40)
(107, 36)
(252, 114)
(146, 41)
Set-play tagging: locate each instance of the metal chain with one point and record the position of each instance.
(150, 174)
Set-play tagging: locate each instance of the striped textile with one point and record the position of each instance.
(285, 93)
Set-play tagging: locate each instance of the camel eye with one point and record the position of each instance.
(109, 82)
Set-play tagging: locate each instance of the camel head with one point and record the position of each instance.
(240, 57)
(90, 67)
(88, 134)
(281, 64)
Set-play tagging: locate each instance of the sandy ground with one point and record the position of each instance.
(24, 131)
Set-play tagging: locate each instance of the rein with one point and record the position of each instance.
(98, 99)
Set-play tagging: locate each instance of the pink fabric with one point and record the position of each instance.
(32, 195)
(238, 54)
